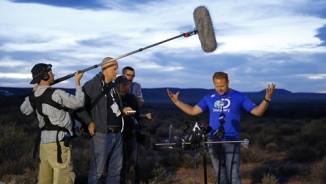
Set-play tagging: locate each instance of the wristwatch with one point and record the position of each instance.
(267, 100)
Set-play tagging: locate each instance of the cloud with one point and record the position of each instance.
(80, 4)
(259, 41)
(321, 34)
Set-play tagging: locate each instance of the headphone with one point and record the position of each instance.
(45, 75)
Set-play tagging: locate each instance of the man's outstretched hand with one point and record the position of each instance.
(173, 97)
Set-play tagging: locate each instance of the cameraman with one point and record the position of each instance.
(225, 101)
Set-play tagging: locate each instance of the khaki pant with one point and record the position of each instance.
(52, 172)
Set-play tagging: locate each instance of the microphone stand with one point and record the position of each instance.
(204, 143)
(220, 133)
(205, 159)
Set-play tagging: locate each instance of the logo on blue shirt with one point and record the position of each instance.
(225, 103)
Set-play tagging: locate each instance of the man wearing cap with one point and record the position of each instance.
(135, 88)
(131, 147)
(51, 169)
(103, 113)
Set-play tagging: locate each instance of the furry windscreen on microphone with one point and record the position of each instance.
(205, 29)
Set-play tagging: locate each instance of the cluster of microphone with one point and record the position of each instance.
(200, 130)
(204, 128)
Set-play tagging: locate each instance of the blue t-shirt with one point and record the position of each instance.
(232, 103)
(135, 89)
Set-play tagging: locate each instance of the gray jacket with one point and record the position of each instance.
(98, 114)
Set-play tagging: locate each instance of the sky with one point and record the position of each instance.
(259, 42)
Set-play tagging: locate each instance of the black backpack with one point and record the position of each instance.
(36, 103)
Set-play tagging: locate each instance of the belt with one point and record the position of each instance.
(114, 129)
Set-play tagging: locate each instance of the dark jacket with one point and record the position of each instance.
(130, 100)
(98, 113)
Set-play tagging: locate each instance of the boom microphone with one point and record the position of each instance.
(205, 29)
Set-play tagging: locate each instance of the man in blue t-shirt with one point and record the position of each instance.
(224, 106)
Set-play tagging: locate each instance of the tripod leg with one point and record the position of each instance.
(205, 166)
(205, 159)
(220, 163)
(195, 160)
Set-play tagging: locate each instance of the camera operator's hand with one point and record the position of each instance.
(78, 76)
(150, 116)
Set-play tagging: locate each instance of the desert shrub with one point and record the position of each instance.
(172, 158)
(287, 169)
(252, 155)
(245, 136)
(289, 129)
(149, 162)
(259, 172)
(319, 171)
(272, 147)
(184, 158)
(302, 153)
(188, 161)
(267, 135)
(14, 143)
(29, 176)
(80, 156)
(252, 130)
(160, 175)
(309, 139)
(315, 126)
(163, 131)
(269, 179)
(313, 133)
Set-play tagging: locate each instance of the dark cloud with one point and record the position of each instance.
(321, 34)
(95, 42)
(85, 4)
(314, 7)
(76, 4)
(3, 41)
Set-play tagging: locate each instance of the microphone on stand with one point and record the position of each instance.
(220, 131)
(205, 128)
(222, 118)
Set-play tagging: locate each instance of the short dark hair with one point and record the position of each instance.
(221, 75)
(124, 70)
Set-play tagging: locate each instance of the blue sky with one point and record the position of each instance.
(260, 42)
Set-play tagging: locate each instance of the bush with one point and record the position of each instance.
(302, 153)
(252, 155)
(269, 179)
(272, 147)
(319, 171)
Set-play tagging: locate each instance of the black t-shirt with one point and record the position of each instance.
(111, 97)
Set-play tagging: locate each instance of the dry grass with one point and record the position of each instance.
(290, 151)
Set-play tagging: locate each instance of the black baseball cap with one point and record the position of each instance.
(37, 72)
(121, 79)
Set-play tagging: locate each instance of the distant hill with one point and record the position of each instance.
(194, 95)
